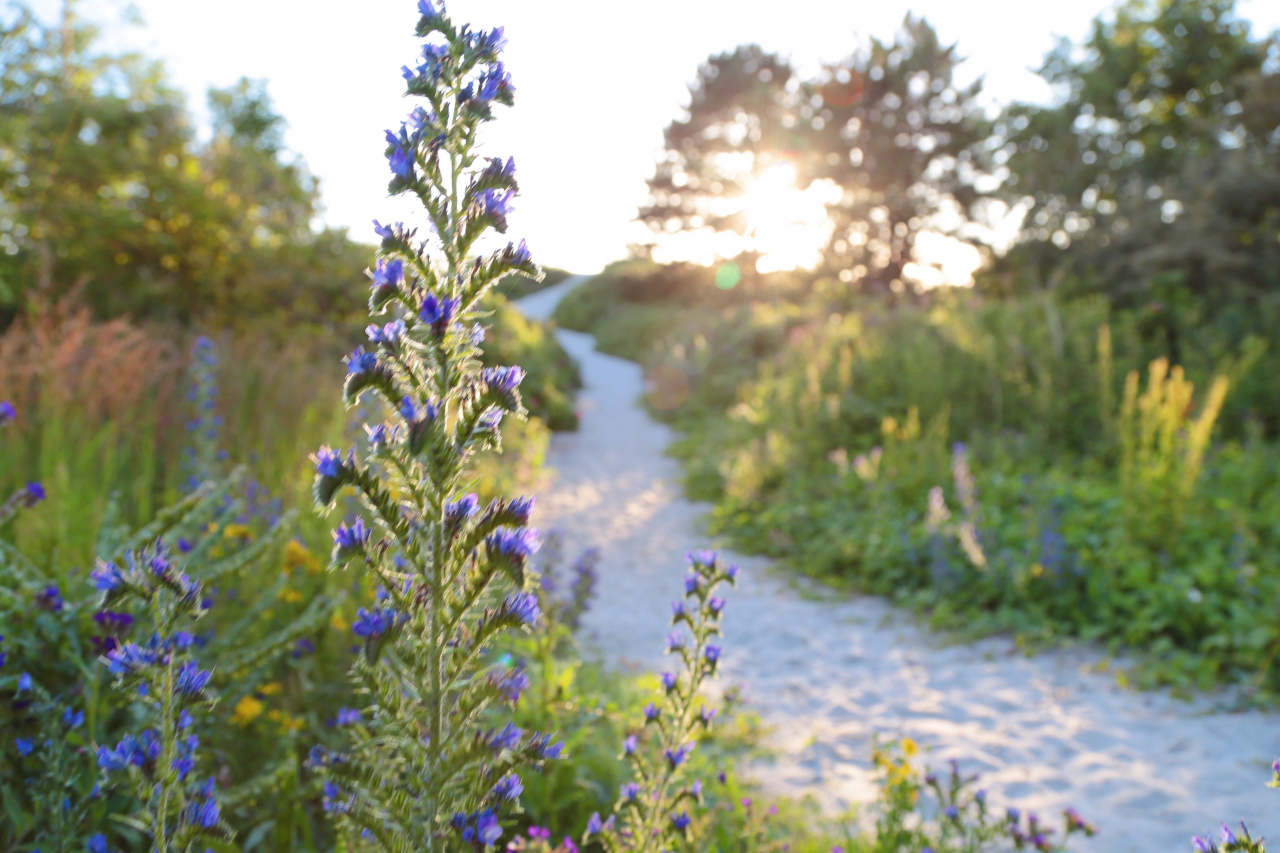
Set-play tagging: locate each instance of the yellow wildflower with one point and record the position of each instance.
(338, 623)
(237, 531)
(271, 688)
(246, 711)
(290, 595)
(287, 722)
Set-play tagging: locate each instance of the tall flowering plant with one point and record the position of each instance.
(429, 764)
(174, 807)
(659, 809)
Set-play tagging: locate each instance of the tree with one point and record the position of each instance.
(104, 190)
(891, 127)
(741, 119)
(1152, 113)
(888, 125)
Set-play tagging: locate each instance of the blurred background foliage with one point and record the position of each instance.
(1108, 384)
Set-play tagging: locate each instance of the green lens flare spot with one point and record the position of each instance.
(728, 275)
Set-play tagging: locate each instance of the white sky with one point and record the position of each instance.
(596, 82)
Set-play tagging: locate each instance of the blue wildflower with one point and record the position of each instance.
(7, 412)
(692, 584)
(669, 681)
(427, 9)
(72, 719)
(386, 334)
(487, 829)
(629, 745)
(373, 624)
(508, 738)
(1228, 837)
(204, 814)
(97, 843)
(130, 658)
(113, 621)
(303, 647)
(521, 508)
(677, 611)
(696, 788)
(401, 161)
(438, 313)
(593, 824)
(353, 538)
(1203, 845)
(490, 42)
(713, 654)
(681, 821)
(50, 598)
(460, 509)
(418, 415)
(24, 745)
(678, 756)
(715, 605)
(185, 720)
(523, 606)
(329, 462)
(518, 544)
(347, 717)
(496, 205)
(629, 790)
(505, 379)
(675, 641)
(509, 787)
(191, 679)
(651, 712)
(510, 683)
(952, 813)
(362, 362)
(388, 273)
(34, 494)
(477, 334)
(24, 682)
(704, 558)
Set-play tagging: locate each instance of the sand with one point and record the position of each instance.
(828, 671)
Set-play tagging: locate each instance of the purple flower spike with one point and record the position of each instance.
(191, 679)
(362, 362)
(34, 493)
(401, 162)
(460, 509)
(329, 462)
(509, 787)
(504, 379)
(524, 606)
(669, 681)
(713, 654)
(629, 790)
(7, 412)
(676, 757)
(388, 273)
(373, 624)
(520, 543)
(715, 605)
(353, 538)
(107, 577)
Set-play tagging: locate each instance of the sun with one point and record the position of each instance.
(787, 225)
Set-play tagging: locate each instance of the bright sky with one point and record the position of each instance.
(596, 82)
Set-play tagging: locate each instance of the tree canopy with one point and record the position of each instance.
(105, 189)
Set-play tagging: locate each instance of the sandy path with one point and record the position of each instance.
(830, 672)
